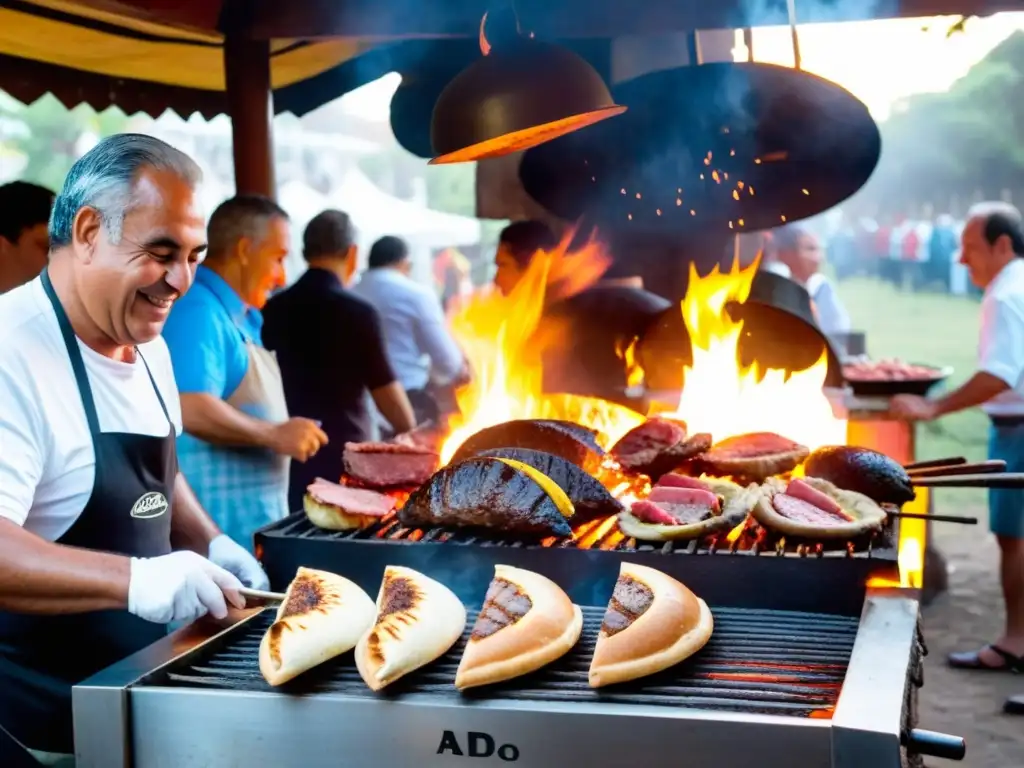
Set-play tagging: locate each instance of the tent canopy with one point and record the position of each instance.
(153, 55)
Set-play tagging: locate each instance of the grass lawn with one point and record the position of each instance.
(934, 329)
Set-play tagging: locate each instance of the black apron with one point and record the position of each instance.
(128, 513)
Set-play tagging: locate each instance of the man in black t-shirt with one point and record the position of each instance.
(331, 350)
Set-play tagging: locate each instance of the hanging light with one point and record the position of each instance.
(522, 93)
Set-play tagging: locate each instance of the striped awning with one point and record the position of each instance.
(81, 53)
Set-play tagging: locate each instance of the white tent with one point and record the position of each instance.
(376, 213)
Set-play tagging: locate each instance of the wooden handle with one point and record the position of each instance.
(997, 480)
(977, 468)
(259, 594)
(952, 461)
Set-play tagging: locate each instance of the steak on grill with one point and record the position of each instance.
(389, 465)
(705, 507)
(589, 498)
(485, 492)
(658, 446)
(570, 441)
(755, 456)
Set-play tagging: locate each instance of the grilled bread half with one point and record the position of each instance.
(652, 623)
(526, 621)
(322, 615)
(418, 620)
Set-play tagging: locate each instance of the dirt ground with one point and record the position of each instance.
(969, 704)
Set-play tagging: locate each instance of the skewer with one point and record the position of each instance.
(935, 518)
(977, 468)
(951, 461)
(259, 594)
(997, 480)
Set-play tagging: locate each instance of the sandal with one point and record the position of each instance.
(972, 660)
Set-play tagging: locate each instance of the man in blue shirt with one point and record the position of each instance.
(419, 345)
(331, 349)
(238, 438)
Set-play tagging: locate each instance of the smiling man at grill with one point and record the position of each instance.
(993, 252)
(91, 499)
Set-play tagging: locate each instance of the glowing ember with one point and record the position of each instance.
(502, 338)
(723, 398)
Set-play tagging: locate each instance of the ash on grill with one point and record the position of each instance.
(757, 661)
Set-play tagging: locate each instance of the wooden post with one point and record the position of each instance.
(251, 108)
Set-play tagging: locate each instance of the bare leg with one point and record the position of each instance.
(1011, 571)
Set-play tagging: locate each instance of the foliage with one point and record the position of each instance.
(963, 141)
(50, 143)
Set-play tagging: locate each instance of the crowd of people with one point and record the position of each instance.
(912, 253)
(166, 393)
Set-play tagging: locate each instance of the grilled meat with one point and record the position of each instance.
(504, 496)
(658, 446)
(862, 470)
(686, 508)
(589, 498)
(570, 441)
(389, 465)
(754, 456)
(338, 508)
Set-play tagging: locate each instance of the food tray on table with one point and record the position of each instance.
(888, 378)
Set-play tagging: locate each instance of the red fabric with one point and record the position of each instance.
(910, 244)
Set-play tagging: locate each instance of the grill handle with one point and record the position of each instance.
(935, 744)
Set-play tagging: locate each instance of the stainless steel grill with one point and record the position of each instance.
(773, 689)
(767, 662)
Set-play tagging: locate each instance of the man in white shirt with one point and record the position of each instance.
(993, 252)
(796, 253)
(91, 500)
(420, 348)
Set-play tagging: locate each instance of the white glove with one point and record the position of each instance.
(181, 586)
(233, 558)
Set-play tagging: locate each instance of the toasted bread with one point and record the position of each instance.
(322, 615)
(418, 620)
(526, 622)
(860, 514)
(652, 623)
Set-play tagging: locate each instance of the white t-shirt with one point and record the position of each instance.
(1001, 349)
(47, 463)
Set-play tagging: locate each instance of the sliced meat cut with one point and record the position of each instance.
(389, 465)
(698, 496)
(576, 444)
(657, 447)
(802, 511)
(793, 510)
(753, 457)
(340, 508)
(711, 512)
(672, 480)
(670, 513)
(801, 489)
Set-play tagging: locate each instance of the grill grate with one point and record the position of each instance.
(758, 661)
(597, 534)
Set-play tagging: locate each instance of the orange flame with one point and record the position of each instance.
(499, 336)
(723, 398)
(627, 354)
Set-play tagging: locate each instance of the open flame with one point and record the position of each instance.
(502, 338)
(725, 399)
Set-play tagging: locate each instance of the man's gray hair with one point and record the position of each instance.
(1000, 219)
(104, 179)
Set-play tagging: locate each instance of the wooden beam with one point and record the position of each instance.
(251, 108)
(196, 15)
(575, 18)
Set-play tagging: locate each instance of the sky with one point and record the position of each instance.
(881, 62)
